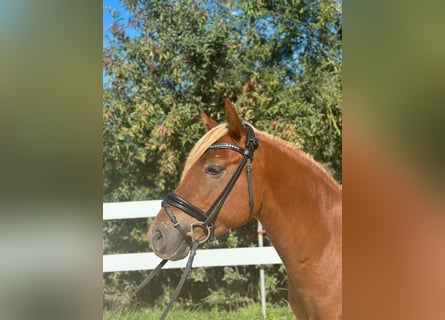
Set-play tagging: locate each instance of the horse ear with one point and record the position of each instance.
(209, 123)
(234, 123)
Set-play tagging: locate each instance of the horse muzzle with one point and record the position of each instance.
(167, 243)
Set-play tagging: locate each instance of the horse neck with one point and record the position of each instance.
(298, 201)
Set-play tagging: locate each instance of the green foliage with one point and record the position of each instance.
(278, 61)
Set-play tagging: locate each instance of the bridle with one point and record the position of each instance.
(205, 220)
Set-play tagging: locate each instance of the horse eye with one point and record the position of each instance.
(214, 170)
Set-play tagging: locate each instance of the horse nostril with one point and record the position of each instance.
(157, 235)
(158, 240)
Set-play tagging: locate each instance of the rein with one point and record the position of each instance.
(155, 271)
(205, 220)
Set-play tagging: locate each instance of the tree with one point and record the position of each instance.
(279, 61)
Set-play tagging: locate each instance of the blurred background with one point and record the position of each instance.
(393, 160)
(51, 161)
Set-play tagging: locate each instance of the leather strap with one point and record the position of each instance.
(208, 217)
(184, 205)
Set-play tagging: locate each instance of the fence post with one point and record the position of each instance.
(262, 280)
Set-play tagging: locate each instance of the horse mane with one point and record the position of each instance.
(221, 130)
(203, 144)
(302, 156)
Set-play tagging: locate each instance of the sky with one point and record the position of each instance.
(108, 20)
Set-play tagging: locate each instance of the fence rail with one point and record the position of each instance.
(204, 258)
(131, 209)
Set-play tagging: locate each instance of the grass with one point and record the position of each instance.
(251, 312)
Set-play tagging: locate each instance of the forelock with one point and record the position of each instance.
(203, 144)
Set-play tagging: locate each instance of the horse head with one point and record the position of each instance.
(216, 191)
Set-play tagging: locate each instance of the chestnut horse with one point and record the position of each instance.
(296, 200)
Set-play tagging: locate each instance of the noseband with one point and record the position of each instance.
(206, 219)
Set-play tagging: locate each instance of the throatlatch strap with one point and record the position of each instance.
(250, 188)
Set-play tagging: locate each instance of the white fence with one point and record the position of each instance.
(204, 258)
